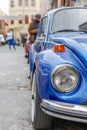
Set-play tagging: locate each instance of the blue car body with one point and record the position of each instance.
(44, 60)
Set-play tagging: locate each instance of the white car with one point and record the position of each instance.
(2, 39)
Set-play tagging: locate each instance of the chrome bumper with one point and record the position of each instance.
(66, 111)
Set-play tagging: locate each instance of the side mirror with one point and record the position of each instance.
(42, 38)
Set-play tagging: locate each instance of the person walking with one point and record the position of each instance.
(10, 40)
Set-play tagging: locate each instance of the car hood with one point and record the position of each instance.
(76, 42)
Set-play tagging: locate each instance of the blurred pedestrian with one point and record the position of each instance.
(33, 28)
(10, 40)
(24, 39)
(18, 41)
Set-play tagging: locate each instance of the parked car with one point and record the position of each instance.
(58, 67)
(2, 39)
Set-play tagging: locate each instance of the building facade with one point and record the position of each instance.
(45, 6)
(20, 13)
(3, 23)
(59, 3)
(81, 2)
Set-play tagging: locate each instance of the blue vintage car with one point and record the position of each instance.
(58, 67)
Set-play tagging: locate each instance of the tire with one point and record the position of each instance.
(40, 120)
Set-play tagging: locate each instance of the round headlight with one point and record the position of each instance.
(64, 78)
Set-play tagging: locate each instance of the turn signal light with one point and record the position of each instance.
(59, 48)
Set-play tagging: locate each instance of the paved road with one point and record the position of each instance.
(15, 94)
(14, 90)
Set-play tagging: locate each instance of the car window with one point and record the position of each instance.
(43, 27)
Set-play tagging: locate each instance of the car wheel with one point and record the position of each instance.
(40, 120)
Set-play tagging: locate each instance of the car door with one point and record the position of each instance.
(39, 43)
(42, 35)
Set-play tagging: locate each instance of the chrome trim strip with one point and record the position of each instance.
(66, 111)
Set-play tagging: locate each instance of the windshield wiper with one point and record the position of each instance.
(82, 30)
(83, 27)
(66, 30)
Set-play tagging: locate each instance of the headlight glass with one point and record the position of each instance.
(64, 78)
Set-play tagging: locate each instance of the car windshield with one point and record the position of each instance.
(69, 20)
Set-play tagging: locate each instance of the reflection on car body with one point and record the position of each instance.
(58, 68)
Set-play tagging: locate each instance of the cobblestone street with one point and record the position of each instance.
(14, 90)
(15, 94)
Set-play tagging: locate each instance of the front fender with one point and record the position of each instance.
(46, 61)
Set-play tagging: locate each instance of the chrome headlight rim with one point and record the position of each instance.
(60, 68)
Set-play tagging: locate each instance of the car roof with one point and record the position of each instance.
(62, 8)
